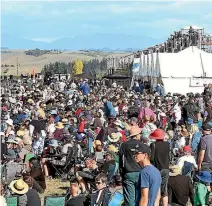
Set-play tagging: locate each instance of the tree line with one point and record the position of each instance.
(38, 52)
(92, 67)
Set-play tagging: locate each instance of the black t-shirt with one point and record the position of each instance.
(38, 125)
(77, 201)
(160, 154)
(33, 198)
(127, 161)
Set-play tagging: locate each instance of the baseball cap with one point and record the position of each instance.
(207, 127)
(142, 148)
(187, 149)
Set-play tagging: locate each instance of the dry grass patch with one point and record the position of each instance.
(54, 187)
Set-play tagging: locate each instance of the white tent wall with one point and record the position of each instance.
(178, 69)
(169, 64)
(207, 63)
(180, 85)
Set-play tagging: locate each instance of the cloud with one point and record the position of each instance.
(48, 40)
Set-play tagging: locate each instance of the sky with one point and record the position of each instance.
(50, 20)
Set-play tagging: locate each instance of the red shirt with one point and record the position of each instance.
(79, 110)
(124, 138)
(82, 126)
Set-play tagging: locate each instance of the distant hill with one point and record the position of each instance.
(28, 63)
(101, 42)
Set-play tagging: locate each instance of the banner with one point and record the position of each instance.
(136, 65)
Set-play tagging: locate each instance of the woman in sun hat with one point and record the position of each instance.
(58, 134)
(114, 137)
(10, 127)
(20, 188)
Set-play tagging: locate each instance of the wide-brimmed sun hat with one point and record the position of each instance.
(96, 143)
(158, 134)
(175, 170)
(59, 125)
(134, 131)
(65, 121)
(19, 187)
(112, 148)
(114, 137)
(20, 133)
(204, 176)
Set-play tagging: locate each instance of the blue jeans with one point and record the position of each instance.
(130, 187)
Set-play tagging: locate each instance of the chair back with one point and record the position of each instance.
(117, 199)
(54, 201)
(12, 201)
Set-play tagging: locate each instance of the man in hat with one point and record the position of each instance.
(205, 153)
(150, 178)
(180, 187)
(129, 168)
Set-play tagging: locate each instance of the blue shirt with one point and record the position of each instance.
(150, 178)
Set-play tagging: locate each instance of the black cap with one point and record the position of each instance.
(197, 95)
(143, 148)
(207, 127)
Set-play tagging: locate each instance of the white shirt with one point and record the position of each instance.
(62, 86)
(186, 158)
(177, 112)
(181, 142)
(73, 85)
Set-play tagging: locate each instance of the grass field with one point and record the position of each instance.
(28, 63)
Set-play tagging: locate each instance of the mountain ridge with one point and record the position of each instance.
(103, 42)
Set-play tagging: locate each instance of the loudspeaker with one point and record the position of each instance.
(11, 76)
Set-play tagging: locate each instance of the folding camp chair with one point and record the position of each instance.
(12, 201)
(54, 201)
(117, 199)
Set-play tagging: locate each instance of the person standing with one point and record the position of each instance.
(129, 168)
(108, 108)
(160, 151)
(150, 178)
(205, 149)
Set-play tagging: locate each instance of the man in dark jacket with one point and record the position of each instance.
(190, 110)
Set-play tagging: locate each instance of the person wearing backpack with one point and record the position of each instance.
(203, 194)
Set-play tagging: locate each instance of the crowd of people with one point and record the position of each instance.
(115, 146)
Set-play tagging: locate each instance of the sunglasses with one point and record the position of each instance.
(98, 183)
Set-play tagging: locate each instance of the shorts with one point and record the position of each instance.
(164, 184)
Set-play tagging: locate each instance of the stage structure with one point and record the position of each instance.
(185, 45)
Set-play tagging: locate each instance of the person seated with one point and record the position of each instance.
(75, 196)
(53, 149)
(102, 195)
(33, 198)
(39, 183)
(19, 189)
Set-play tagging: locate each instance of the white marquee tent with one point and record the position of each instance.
(182, 72)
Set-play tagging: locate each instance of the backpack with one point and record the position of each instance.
(201, 194)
